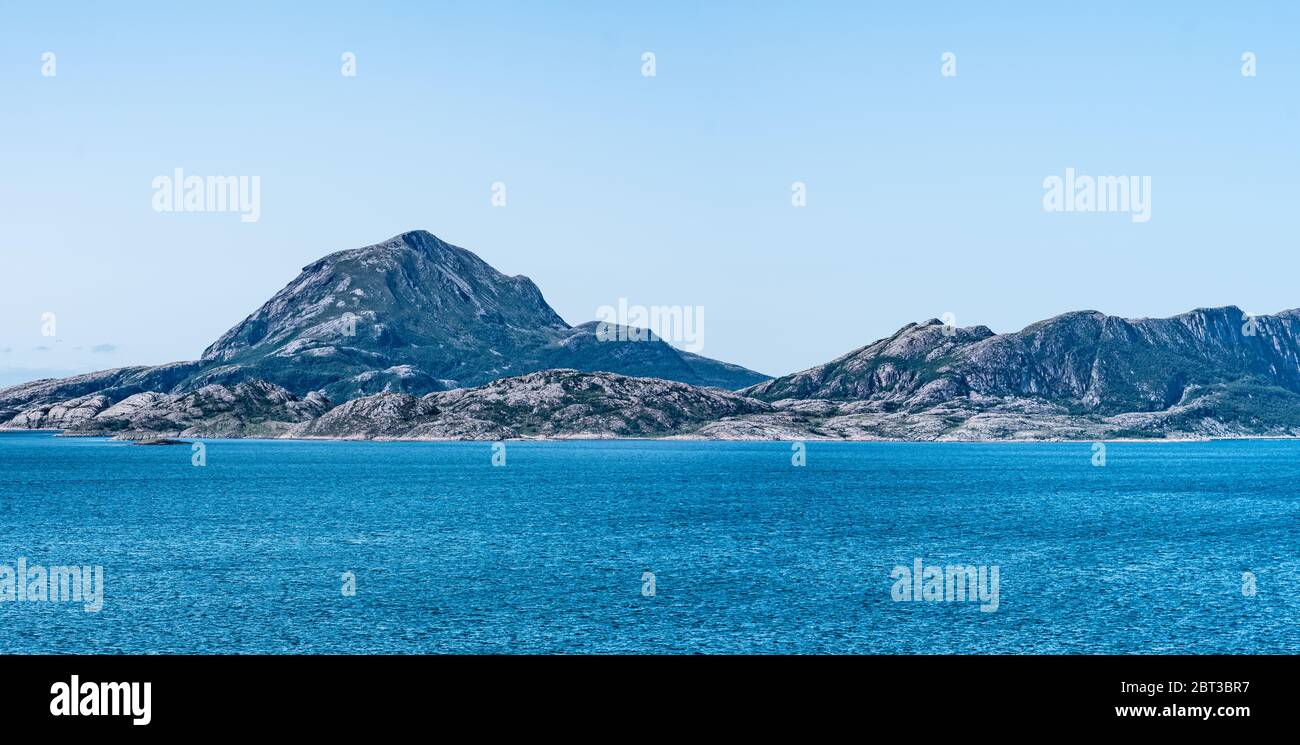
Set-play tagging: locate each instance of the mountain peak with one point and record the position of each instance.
(417, 314)
(417, 235)
(421, 241)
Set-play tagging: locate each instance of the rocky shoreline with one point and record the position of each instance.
(569, 404)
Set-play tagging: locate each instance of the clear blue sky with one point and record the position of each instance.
(924, 192)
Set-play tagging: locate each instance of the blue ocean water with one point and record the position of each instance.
(749, 553)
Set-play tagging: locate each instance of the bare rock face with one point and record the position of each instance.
(1207, 373)
(552, 403)
(383, 415)
(256, 409)
(113, 385)
(62, 415)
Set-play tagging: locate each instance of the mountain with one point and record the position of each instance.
(416, 314)
(412, 314)
(1087, 361)
(414, 338)
(1209, 372)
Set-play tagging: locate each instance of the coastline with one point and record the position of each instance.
(666, 438)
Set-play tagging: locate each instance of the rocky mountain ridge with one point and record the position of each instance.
(414, 338)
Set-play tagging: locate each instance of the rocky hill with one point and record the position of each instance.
(252, 409)
(412, 314)
(553, 403)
